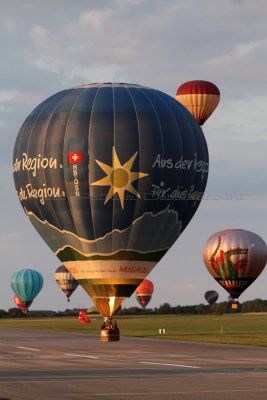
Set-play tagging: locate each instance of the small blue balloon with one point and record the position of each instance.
(26, 283)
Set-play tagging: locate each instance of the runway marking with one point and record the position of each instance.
(81, 355)
(111, 395)
(170, 365)
(27, 348)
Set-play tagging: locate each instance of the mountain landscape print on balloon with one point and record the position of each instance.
(116, 244)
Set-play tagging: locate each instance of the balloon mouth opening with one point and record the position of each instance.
(106, 306)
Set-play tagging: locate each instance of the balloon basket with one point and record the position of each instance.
(234, 306)
(109, 336)
(110, 332)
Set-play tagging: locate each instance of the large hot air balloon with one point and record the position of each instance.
(144, 292)
(199, 97)
(235, 258)
(26, 284)
(65, 281)
(211, 296)
(22, 305)
(110, 175)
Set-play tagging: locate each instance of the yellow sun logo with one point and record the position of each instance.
(119, 177)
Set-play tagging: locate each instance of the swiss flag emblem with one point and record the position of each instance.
(75, 157)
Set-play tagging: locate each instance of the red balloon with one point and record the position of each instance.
(83, 318)
(199, 97)
(146, 287)
(144, 292)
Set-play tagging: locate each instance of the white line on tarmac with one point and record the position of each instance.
(80, 355)
(27, 348)
(170, 365)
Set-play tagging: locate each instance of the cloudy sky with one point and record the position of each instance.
(52, 45)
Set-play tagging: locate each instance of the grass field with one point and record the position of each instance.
(244, 329)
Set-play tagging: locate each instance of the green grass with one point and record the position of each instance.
(241, 329)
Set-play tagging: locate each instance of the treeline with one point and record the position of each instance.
(257, 305)
(15, 312)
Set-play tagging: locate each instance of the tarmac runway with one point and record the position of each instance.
(44, 365)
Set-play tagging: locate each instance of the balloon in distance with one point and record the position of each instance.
(110, 175)
(235, 258)
(66, 281)
(83, 317)
(144, 292)
(200, 98)
(26, 284)
(211, 296)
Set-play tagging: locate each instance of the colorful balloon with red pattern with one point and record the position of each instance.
(199, 97)
(235, 258)
(144, 292)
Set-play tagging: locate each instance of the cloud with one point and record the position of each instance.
(250, 54)
(95, 19)
(10, 25)
(7, 96)
(39, 35)
(9, 239)
(244, 67)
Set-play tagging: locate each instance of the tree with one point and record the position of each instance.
(15, 313)
(3, 313)
(164, 308)
(200, 309)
